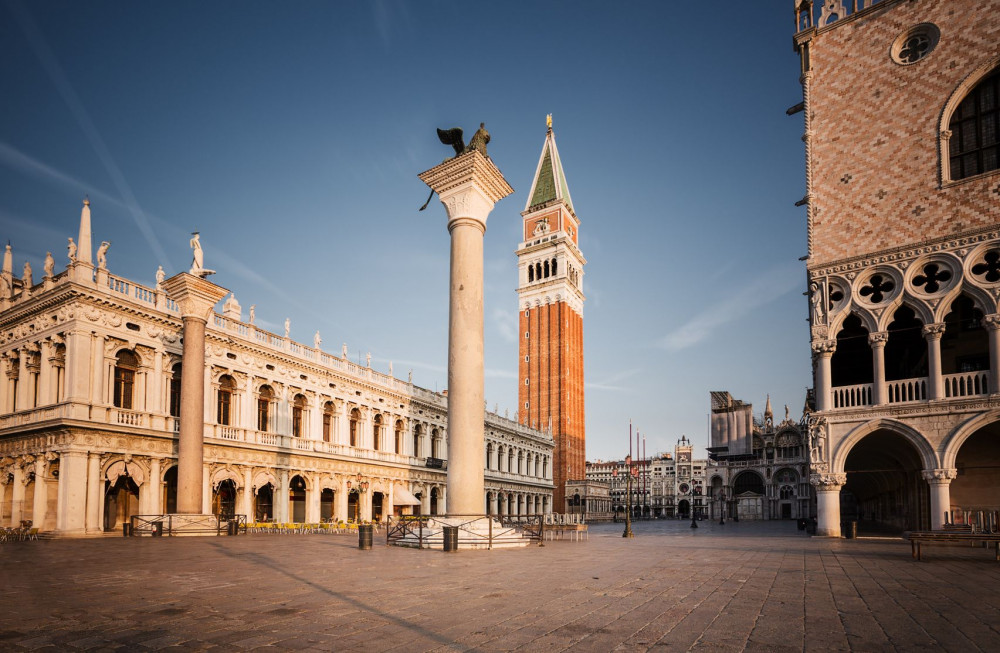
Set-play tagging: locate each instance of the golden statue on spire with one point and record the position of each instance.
(548, 120)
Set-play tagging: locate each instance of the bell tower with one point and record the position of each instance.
(550, 299)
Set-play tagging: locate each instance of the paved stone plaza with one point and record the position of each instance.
(745, 586)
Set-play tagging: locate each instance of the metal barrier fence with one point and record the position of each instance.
(425, 530)
(174, 524)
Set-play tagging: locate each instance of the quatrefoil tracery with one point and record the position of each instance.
(878, 288)
(934, 278)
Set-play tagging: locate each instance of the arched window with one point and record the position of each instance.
(435, 444)
(224, 413)
(175, 390)
(416, 440)
(538, 270)
(264, 399)
(975, 130)
(298, 416)
(377, 432)
(399, 436)
(546, 268)
(531, 273)
(327, 421)
(354, 421)
(125, 369)
(555, 267)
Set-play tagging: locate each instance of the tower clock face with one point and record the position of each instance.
(683, 457)
(684, 488)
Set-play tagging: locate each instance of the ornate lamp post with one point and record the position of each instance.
(628, 498)
(360, 488)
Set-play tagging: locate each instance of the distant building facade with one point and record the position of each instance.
(90, 403)
(756, 470)
(901, 108)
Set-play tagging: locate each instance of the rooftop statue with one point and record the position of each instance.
(453, 137)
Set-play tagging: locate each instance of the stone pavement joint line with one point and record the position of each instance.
(740, 587)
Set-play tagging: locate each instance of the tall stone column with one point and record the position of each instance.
(41, 497)
(71, 492)
(469, 186)
(940, 483)
(155, 505)
(94, 491)
(993, 326)
(828, 503)
(877, 341)
(196, 297)
(935, 381)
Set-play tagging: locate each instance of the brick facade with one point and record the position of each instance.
(874, 126)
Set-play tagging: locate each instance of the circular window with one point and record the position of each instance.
(684, 488)
(915, 43)
(878, 288)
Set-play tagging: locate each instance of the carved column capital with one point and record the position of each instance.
(824, 347)
(878, 338)
(992, 321)
(827, 482)
(939, 476)
(933, 331)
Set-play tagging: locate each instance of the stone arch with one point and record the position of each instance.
(928, 457)
(980, 298)
(868, 320)
(919, 307)
(954, 440)
(263, 477)
(225, 473)
(118, 465)
(968, 83)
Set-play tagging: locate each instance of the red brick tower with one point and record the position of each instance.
(550, 297)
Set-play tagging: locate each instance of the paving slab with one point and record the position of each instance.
(745, 586)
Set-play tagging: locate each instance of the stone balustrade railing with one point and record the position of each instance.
(907, 390)
(849, 396)
(966, 384)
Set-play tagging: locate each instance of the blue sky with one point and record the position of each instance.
(291, 135)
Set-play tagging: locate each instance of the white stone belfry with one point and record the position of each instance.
(196, 299)
(469, 186)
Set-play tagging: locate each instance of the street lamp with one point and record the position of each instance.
(628, 497)
(360, 488)
(722, 507)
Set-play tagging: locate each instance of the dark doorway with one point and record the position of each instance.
(297, 499)
(885, 492)
(224, 500)
(121, 501)
(264, 503)
(377, 500)
(326, 503)
(170, 491)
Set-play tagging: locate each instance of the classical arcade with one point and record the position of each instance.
(901, 113)
(91, 369)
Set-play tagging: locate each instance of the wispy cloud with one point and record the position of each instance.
(21, 162)
(504, 322)
(767, 287)
(612, 383)
(75, 105)
(493, 373)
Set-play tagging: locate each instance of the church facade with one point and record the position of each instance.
(90, 385)
(757, 469)
(550, 296)
(901, 107)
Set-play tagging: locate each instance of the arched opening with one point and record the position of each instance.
(546, 269)
(684, 508)
(378, 503)
(851, 363)
(965, 350)
(354, 422)
(531, 273)
(538, 270)
(175, 390)
(298, 416)
(224, 499)
(121, 501)
(326, 503)
(786, 481)
(328, 421)
(975, 492)
(975, 126)
(555, 267)
(263, 508)
(264, 400)
(353, 506)
(125, 369)
(170, 491)
(748, 493)
(435, 447)
(489, 456)
(224, 411)
(297, 499)
(399, 436)
(434, 501)
(377, 433)
(885, 492)
(906, 357)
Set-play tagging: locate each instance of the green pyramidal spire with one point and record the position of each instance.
(550, 180)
